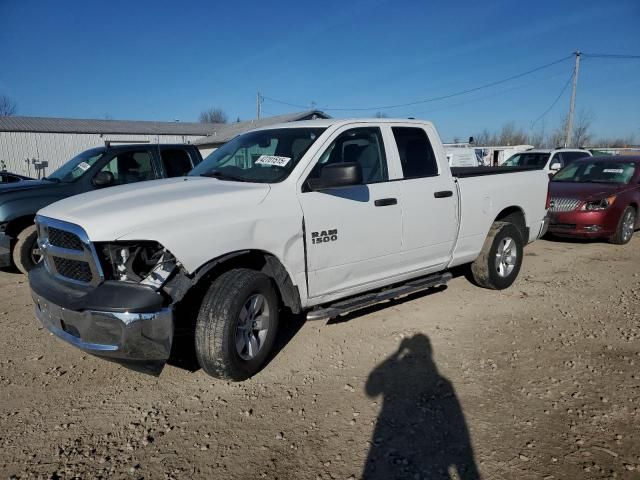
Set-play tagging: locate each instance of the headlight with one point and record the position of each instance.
(141, 262)
(594, 205)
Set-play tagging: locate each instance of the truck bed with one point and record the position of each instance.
(462, 172)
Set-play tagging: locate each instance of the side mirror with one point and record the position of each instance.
(103, 179)
(337, 175)
(555, 166)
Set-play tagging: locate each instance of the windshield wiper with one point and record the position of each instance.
(54, 180)
(223, 176)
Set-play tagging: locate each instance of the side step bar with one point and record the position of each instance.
(368, 299)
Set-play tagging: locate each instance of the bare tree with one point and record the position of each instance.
(581, 134)
(213, 115)
(616, 142)
(7, 106)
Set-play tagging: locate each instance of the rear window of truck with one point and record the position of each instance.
(416, 154)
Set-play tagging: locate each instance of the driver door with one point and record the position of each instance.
(353, 234)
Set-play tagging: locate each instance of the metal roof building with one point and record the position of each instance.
(26, 142)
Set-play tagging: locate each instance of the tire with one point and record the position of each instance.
(487, 270)
(23, 251)
(625, 228)
(219, 331)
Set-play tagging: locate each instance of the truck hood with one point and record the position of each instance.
(585, 191)
(25, 185)
(113, 213)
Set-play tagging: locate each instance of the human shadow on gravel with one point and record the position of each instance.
(421, 432)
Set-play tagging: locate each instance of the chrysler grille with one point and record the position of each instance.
(68, 254)
(561, 204)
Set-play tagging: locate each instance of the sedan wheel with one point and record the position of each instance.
(626, 227)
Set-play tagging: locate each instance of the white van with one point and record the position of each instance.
(461, 156)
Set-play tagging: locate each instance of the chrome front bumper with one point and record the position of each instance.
(140, 341)
(5, 250)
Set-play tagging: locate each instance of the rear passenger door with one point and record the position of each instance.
(428, 200)
(353, 234)
(176, 162)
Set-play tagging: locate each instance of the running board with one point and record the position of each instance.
(366, 300)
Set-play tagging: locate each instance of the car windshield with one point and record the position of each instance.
(604, 171)
(527, 159)
(76, 167)
(265, 156)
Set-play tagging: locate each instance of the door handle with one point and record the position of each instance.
(443, 194)
(383, 202)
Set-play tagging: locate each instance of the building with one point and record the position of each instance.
(225, 132)
(33, 146)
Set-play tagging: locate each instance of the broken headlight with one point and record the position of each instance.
(148, 263)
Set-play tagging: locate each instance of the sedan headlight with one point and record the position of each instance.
(141, 262)
(595, 205)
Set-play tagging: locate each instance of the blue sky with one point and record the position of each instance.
(165, 60)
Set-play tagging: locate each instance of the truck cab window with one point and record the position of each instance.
(176, 162)
(130, 167)
(360, 145)
(416, 155)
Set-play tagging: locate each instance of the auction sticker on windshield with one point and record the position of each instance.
(273, 160)
(613, 170)
(84, 166)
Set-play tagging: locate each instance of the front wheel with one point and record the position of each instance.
(237, 324)
(500, 259)
(26, 253)
(626, 227)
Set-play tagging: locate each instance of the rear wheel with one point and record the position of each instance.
(500, 259)
(26, 253)
(237, 324)
(626, 227)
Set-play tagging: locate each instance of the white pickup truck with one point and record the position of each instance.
(322, 217)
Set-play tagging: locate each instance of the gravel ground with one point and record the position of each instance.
(539, 381)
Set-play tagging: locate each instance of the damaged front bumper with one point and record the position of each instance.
(138, 337)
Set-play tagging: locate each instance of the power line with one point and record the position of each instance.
(432, 99)
(564, 88)
(285, 103)
(608, 55)
(476, 99)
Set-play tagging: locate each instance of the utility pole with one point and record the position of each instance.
(258, 105)
(572, 105)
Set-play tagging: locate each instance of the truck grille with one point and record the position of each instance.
(68, 254)
(63, 239)
(562, 204)
(73, 269)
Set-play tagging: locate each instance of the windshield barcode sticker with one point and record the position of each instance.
(613, 170)
(273, 160)
(84, 166)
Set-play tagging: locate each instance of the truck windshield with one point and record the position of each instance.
(525, 159)
(264, 156)
(597, 172)
(76, 167)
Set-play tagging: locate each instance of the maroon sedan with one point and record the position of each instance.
(596, 197)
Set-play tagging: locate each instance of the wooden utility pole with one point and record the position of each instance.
(572, 105)
(258, 106)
